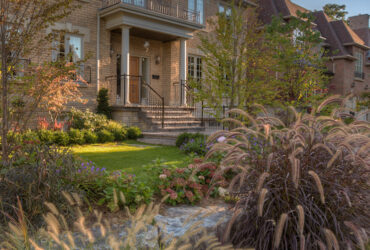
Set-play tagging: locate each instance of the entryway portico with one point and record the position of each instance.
(149, 19)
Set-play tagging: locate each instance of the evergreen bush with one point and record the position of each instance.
(103, 103)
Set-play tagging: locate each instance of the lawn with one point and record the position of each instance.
(130, 156)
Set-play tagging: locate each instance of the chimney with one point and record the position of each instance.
(359, 22)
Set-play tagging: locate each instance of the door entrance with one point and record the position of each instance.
(134, 79)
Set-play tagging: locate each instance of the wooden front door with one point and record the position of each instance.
(134, 79)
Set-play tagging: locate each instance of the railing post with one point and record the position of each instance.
(162, 112)
(202, 121)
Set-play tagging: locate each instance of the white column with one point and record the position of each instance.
(125, 64)
(183, 56)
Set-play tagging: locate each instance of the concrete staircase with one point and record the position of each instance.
(177, 120)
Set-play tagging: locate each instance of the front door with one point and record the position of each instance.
(134, 80)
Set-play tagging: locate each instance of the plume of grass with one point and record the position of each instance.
(279, 229)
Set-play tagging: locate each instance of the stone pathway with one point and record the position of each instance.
(174, 222)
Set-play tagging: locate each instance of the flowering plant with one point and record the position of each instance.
(190, 184)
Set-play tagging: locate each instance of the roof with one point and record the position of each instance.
(271, 8)
(364, 34)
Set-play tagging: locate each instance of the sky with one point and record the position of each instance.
(354, 7)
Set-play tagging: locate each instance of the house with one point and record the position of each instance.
(142, 51)
(347, 52)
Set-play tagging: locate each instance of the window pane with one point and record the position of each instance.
(75, 47)
(200, 10)
(221, 8)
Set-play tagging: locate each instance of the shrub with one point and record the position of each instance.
(121, 184)
(134, 133)
(103, 103)
(298, 187)
(38, 173)
(90, 137)
(186, 137)
(105, 136)
(30, 136)
(196, 146)
(118, 131)
(61, 138)
(87, 120)
(76, 136)
(188, 185)
(46, 136)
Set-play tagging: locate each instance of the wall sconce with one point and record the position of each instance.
(157, 59)
(353, 85)
(146, 46)
(366, 87)
(111, 52)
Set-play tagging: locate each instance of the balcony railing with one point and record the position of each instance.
(171, 9)
(360, 75)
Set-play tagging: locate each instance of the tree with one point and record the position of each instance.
(236, 60)
(22, 25)
(46, 87)
(103, 103)
(299, 60)
(335, 11)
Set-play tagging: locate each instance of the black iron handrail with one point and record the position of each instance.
(152, 102)
(158, 7)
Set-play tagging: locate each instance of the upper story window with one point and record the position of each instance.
(196, 7)
(359, 64)
(140, 3)
(68, 47)
(223, 8)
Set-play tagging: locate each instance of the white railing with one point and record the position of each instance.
(158, 6)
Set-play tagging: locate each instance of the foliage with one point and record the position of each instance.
(118, 131)
(189, 184)
(36, 174)
(238, 62)
(103, 103)
(87, 120)
(61, 138)
(298, 60)
(58, 234)
(120, 184)
(46, 136)
(335, 11)
(76, 136)
(303, 184)
(134, 133)
(185, 137)
(105, 136)
(196, 146)
(22, 34)
(90, 137)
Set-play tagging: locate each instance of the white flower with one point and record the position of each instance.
(162, 176)
(201, 177)
(221, 139)
(223, 192)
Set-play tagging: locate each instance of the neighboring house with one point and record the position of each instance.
(144, 50)
(347, 52)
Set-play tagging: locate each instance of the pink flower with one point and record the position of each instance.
(191, 166)
(198, 160)
(173, 196)
(180, 170)
(189, 195)
(162, 176)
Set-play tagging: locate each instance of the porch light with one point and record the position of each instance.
(146, 45)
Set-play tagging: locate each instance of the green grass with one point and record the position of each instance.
(130, 156)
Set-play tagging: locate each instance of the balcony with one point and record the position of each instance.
(360, 75)
(170, 9)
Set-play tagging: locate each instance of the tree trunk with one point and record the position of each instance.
(4, 141)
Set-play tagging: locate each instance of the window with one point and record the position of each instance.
(359, 65)
(222, 8)
(196, 6)
(140, 3)
(195, 67)
(68, 47)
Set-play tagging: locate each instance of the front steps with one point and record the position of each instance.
(177, 120)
